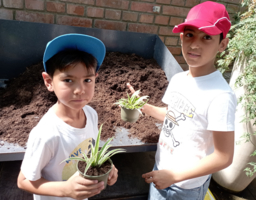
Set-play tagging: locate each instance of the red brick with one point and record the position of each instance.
(34, 4)
(192, 3)
(232, 1)
(177, 11)
(13, 3)
(171, 41)
(55, 7)
(148, 0)
(120, 26)
(95, 12)
(164, 1)
(34, 17)
(6, 14)
(243, 9)
(113, 14)
(87, 2)
(74, 9)
(178, 2)
(145, 18)
(143, 28)
(161, 38)
(120, 4)
(142, 7)
(176, 20)
(175, 50)
(232, 8)
(129, 16)
(167, 31)
(162, 20)
(184, 67)
(232, 17)
(74, 21)
(180, 59)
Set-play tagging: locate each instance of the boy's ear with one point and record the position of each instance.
(223, 44)
(96, 75)
(47, 81)
(181, 38)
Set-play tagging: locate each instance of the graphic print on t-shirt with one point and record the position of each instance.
(179, 105)
(70, 167)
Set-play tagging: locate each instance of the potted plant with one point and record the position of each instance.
(242, 52)
(97, 164)
(130, 107)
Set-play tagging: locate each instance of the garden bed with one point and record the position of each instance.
(26, 99)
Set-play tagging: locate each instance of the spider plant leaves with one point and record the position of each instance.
(97, 155)
(133, 102)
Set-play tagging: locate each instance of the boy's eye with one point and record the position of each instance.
(68, 80)
(207, 37)
(188, 34)
(87, 80)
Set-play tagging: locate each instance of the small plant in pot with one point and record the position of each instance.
(97, 164)
(130, 107)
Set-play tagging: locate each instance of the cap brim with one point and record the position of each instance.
(208, 28)
(81, 42)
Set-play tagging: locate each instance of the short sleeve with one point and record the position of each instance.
(36, 158)
(221, 113)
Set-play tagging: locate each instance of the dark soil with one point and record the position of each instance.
(26, 99)
(95, 171)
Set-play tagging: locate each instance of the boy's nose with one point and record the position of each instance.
(194, 44)
(79, 89)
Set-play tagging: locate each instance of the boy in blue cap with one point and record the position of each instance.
(197, 136)
(70, 127)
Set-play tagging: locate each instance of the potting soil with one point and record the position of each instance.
(26, 99)
(94, 171)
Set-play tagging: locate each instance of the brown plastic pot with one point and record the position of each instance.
(103, 177)
(129, 115)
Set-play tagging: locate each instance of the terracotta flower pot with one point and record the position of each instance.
(103, 177)
(129, 115)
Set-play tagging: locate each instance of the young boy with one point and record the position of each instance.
(69, 127)
(197, 137)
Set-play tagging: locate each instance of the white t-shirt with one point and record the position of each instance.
(53, 141)
(196, 107)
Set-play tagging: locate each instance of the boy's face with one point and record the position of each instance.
(200, 49)
(74, 86)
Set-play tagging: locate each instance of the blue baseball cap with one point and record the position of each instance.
(81, 42)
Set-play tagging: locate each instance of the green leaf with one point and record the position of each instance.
(133, 102)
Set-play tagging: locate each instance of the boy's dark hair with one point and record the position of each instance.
(221, 37)
(70, 57)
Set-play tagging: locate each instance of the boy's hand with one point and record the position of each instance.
(78, 187)
(113, 176)
(130, 88)
(161, 178)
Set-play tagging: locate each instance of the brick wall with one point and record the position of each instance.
(122, 15)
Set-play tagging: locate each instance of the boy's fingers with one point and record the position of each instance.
(90, 185)
(130, 88)
(88, 194)
(87, 182)
(147, 175)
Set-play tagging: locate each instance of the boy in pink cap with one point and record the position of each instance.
(197, 136)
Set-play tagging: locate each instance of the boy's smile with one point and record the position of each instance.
(200, 49)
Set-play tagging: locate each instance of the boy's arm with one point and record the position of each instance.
(75, 187)
(221, 158)
(154, 111)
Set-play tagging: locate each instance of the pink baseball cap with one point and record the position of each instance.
(209, 17)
